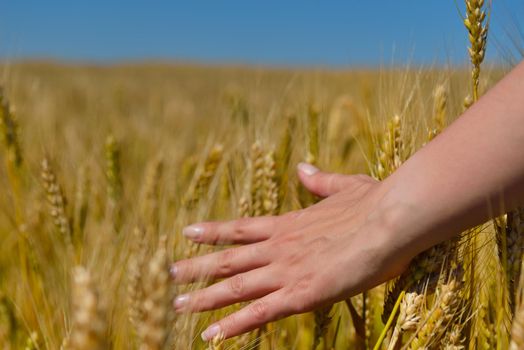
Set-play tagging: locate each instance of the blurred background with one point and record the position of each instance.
(285, 33)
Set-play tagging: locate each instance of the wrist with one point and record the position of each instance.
(406, 227)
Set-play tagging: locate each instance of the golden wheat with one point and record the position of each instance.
(478, 34)
(89, 321)
(154, 330)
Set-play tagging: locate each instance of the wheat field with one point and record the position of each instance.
(103, 165)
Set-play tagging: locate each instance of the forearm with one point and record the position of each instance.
(471, 172)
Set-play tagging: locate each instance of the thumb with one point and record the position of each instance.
(321, 183)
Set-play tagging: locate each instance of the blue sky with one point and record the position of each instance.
(268, 32)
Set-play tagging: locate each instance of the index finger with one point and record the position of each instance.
(241, 231)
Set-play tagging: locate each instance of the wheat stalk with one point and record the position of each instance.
(282, 159)
(81, 202)
(363, 315)
(322, 321)
(313, 135)
(312, 154)
(8, 321)
(225, 185)
(115, 188)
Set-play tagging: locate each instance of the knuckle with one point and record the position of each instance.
(302, 303)
(239, 227)
(285, 239)
(211, 234)
(258, 251)
(296, 306)
(259, 310)
(301, 296)
(190, 271)
(225, 261)
(236, 285)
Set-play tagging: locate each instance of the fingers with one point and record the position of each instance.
(321, 183)
(242, 231)
(225, 263)
(241, 287)
(270, 308)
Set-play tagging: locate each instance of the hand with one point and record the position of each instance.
(299, 261)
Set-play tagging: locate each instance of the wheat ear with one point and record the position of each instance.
(257, 179)
(270, 185)
(439, 317)
(517, 327)
(390, 153)
(206, 174)
(155, 328)
(424, 268)
(510, 243)
(56, 201)
(113, 169)
(89, 322)
(135, 285)
(9, 132)
(440, 102)
(150, 195)
(478, 34)
(408, 318)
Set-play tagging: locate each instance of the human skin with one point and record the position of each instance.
(364, 232)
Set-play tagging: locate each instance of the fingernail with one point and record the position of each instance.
(173, 270)
(181, 301)
(307, 169)
(210, 332)
(193, 231)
